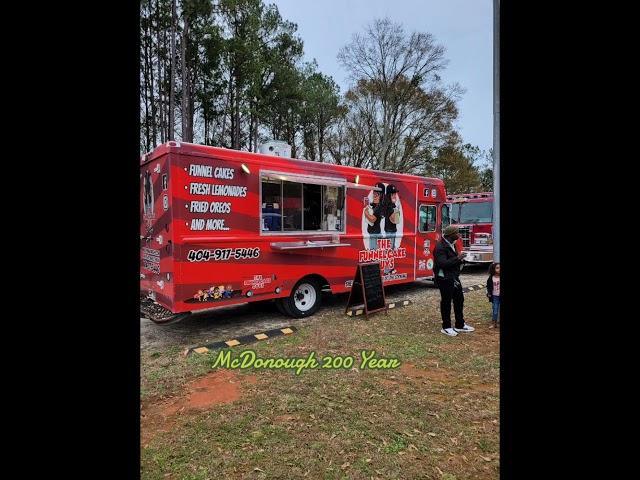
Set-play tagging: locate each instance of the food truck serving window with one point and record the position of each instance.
(301, 206)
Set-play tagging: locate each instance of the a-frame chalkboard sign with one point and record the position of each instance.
(367, 289)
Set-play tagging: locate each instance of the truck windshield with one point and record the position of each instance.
(476, 212)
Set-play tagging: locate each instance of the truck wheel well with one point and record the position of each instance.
(324, 285)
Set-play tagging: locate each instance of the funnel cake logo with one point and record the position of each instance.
(385, 254)
(382, 216)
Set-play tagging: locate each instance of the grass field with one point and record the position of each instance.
(435, 416)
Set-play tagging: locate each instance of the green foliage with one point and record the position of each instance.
(460, 167)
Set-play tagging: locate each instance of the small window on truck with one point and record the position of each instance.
(288, 206)
(446, 217)
(427, 218)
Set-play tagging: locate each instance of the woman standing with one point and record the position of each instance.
(493, 291)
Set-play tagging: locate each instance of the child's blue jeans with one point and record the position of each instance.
(495, 300)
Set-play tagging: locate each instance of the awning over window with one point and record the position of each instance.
(310, 179)
(363, 187)
(315, 180)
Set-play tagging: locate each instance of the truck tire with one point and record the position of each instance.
(305, 298)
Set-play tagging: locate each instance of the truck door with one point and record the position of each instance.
(156, 272)
(427, 236)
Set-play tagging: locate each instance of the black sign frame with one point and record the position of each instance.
(367, 288)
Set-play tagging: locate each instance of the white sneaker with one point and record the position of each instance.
(449, 331)
(466, 328)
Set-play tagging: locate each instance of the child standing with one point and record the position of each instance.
(493, 291)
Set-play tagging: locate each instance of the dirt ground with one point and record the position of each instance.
(436, 416)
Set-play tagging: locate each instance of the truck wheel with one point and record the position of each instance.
(305, 298)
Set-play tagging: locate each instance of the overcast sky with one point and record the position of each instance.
(463, 27)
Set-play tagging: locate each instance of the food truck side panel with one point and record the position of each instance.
(394, 251)
(156, 255)
(223, 255)
(219, 256)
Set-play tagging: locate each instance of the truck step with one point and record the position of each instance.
(158, 314)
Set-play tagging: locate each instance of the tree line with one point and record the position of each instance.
(232, 73)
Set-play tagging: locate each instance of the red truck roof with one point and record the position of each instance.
(471, 197)
(238, 155)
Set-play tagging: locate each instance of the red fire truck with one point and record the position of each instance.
(473, 214)
(221, 227)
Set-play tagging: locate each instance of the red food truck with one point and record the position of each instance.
(473, 214)
(221, 227)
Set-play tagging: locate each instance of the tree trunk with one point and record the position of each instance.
(255, 134)
(186, 94)
(159, 59)
(154, 121)
(205, 112)
(236, 114)
(146, 94)
(172, 95)
(165, 96)
(235, 132)
(193, 88)
(232, 116)
(227, 109)
(320, 139)
(291, 135)
(191, 108)
(251, 128)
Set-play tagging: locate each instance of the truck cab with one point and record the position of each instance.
(473, 214)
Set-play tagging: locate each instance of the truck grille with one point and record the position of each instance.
(465, 235)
